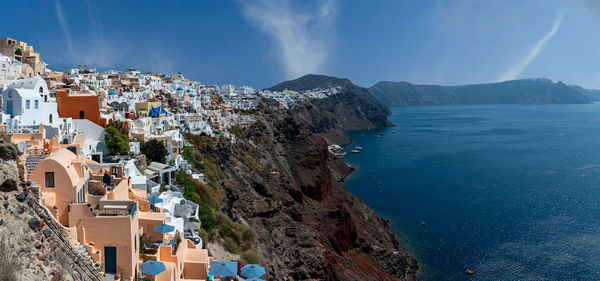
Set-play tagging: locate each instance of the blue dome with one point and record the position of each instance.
(112, 93)
(192, 96)
(179, 89)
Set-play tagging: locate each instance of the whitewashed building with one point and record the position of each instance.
(27, 102)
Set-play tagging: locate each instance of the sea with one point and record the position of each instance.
(511, 192)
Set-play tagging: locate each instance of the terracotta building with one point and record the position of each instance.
(105, 216)
(79, 106)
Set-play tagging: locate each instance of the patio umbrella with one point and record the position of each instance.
(152, 267)
(253, 270)
(155, 200)
(223, 268)
(164, 228)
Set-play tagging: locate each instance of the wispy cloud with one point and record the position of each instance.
(516, 70)
(60, 15)
(303, 37)
(93, 48)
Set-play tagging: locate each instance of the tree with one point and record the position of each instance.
(121, 126)
(116, 142)
(155, 151)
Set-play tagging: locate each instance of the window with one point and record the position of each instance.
(41, 90)
(49, 179)
(36, 104)
(81, 115)
(50, 119)
(72, 149)
(115, 171)
(27, 104)
(10, 95)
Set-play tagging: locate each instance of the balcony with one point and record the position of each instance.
(116, 208)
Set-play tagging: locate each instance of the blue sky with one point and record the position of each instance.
(263, 42)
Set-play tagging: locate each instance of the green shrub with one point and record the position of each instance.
(117, 143)
(250, 257)
(222, 219)
(154, 150)
(206, 217)
(197, 192)
(230, 245)
(205, 237)
(227, 231)
(248, 234)
(146, 258)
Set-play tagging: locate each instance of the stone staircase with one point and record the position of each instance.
(31, 162)
(86, 254)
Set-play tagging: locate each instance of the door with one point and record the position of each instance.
(9, 108)
(110, 260)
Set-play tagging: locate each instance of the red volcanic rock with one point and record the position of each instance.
(308, 226)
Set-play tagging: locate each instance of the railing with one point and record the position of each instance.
(36, 152)
(21, 130)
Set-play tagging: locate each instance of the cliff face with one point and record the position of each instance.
(284, 183)
(353, 109)
(525, 91)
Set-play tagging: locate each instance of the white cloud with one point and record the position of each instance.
(516, 70)
(64, 25)
(302, 37)
(93, 48)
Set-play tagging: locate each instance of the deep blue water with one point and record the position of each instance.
(509, 191)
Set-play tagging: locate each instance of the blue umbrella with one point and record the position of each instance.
(253, 270)
(164, 228)
(223, 268)
(152, 267)
(155, 200)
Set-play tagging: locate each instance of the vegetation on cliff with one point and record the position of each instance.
(277, 178)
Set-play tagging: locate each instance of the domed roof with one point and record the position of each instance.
(112, 93)
(192, 96)
(179, 89)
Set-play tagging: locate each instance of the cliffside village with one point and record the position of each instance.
(104, 202)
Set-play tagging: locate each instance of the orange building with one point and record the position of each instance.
(104, 216)
(79, 106)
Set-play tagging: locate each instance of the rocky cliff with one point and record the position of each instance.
(284, 183)
(524, 91)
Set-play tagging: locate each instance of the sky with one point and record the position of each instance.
(261, 43)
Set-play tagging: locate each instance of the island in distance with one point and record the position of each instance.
(523, 91)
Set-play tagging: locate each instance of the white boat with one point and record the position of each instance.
(358, 148)
(355, 151)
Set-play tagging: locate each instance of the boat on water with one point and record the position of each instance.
(355, 151)
(470, 272)
(358, 148)
(340, 154)
(378, 136)
(393, 131)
